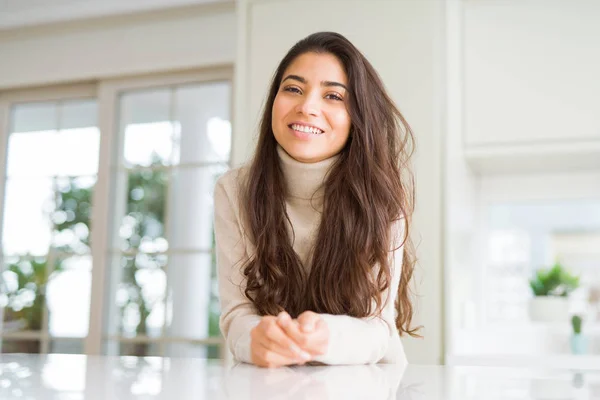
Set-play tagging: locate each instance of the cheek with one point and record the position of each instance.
(281, 107)
(275, 110)
(343, 124)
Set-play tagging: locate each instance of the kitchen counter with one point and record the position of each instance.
(56, 376)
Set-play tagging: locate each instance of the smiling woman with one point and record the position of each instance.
(313, 251)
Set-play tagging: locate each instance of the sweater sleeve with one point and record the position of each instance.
(368, 340)
(238, 315)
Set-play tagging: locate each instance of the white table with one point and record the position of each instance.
(97, 377)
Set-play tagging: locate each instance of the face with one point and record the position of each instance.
(310, 120)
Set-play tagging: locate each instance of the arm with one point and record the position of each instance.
(250, 337)
(366, 340)
(238, 316)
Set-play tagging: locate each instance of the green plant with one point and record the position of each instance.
(25, 293)
(555, 281)
(576, 323)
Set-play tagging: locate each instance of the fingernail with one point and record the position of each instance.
(295, 349)
(307, 328)
(305, 356)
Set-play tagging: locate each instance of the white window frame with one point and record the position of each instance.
(7, 100)
(108, 97)
(106, 92)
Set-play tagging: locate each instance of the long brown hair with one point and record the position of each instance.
(368, 190)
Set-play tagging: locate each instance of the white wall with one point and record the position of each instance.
(460, 191)
(166, 40)
(19, 13)
(405, 46)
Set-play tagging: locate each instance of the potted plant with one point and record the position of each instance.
(551, 288)
(578, 341)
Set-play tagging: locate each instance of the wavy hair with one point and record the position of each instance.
(368, 190)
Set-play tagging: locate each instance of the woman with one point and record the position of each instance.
(313, 253)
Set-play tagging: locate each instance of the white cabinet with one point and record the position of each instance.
(531, 72)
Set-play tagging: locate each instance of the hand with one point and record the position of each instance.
(271, 347)
(309, 331)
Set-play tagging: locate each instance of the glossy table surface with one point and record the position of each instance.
(130, 378)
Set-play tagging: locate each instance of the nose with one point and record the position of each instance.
(308, 106)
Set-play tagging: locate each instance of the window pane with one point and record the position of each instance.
(78, 114)
(33, 117)
(69, 297)
(189, 298)
(31, 154)
(83, 161)
(139, 295)
(27, 208)
(191, 207)
(72, 215)
(146, 128)
(23, 282)
(78, 130)
(19, 346)
(203, 114)
(44, 135)
(143, 226)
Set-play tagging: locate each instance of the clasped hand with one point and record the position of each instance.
(279, 341)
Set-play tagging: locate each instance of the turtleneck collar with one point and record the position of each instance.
(304, 180)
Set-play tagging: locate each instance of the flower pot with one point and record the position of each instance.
(578, 344)
(549, 309)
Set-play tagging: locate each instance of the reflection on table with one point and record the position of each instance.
(54, 376)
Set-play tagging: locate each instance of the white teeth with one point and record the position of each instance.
(307, 129)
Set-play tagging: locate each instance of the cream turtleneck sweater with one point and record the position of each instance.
(352, 340)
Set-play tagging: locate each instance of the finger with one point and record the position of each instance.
(308, 320)
(264, 357)
(276, 339)
(292, 352)
(261, 346)
(292, 330)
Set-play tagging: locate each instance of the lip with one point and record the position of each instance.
(304, 136)
(305, 124)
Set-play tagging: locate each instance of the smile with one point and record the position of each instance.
(306, 129)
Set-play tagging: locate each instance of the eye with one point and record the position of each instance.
(292, 89)
(333, 96)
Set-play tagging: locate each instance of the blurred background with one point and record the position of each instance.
(117, 117)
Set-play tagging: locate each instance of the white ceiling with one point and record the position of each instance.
(20, 13)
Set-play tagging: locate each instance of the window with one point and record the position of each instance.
(173, 143)
(107, 223)
(52, 163)
(527, 236)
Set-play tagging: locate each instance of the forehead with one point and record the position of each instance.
(316, 67)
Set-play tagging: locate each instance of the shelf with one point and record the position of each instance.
(559, 156)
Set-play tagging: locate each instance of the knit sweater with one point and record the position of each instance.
(352, 340)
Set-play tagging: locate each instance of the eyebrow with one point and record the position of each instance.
(323, 83)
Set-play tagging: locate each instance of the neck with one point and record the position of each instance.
(304, 180)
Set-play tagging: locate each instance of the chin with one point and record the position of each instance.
(303, 153)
